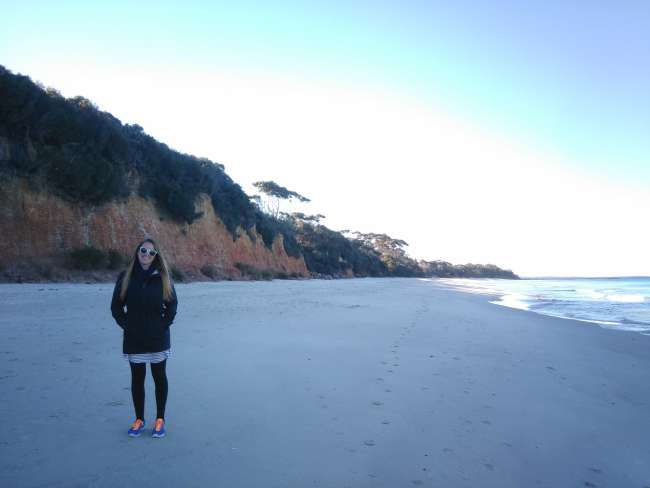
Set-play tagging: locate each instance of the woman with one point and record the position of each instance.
(147, 292)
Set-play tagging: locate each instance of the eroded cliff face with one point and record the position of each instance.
(37, 227)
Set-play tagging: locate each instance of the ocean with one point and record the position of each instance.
(619, 303)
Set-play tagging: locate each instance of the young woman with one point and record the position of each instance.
(146, 290)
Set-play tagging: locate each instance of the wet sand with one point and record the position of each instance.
(345, 383)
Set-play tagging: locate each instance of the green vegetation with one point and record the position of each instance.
(209, 271)
(330, 252)
(252, 272)
(271, 194)
(177, 274)
(445, 269)
(45, 271)
(87, 258)
(269, 228)
(115, 260)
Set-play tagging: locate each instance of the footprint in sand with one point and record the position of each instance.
(489, 466)
(486, 422)
(388, 390)
(591, 485)
(550, 368)
(596, 470)
(447, 450)
(417, 482)
(377, 403)
(369, 442)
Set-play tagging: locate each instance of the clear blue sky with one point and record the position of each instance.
(569, 80)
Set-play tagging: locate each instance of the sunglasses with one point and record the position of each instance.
(144, 250)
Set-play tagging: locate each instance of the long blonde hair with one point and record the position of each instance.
(158, 263)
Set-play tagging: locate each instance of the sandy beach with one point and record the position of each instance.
(343, 383)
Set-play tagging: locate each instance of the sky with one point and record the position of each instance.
(506, 132)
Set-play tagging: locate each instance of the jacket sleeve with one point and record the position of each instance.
(117, 306)
(170, 308)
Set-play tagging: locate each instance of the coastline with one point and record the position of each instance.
(618, 303)
(357, 382)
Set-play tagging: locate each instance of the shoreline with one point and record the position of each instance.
(524, 300)
(356, 382)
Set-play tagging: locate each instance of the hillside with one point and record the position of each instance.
(74, 179)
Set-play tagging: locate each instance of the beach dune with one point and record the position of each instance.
(332, 383)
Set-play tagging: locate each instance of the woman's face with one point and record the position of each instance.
(146, 258)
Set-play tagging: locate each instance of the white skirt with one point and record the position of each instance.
(148, 357)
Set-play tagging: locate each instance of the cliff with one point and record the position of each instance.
(39, 227)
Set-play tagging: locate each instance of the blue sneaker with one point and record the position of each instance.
(137, 428)
(159, 428)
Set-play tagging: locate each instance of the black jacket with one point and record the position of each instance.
(148, 317)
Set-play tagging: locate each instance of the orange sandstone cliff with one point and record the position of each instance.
(38, 227)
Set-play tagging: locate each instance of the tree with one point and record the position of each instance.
(272, 193)
(312, 219)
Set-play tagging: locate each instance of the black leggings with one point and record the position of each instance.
(138, 373)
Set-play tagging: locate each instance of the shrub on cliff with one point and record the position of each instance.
(210, 271)
(83, 175)
(177, 274)
(115, 260)
(89, 258)
(446, 269)
(86, 258)
(269, 228)
(254, 273)
(329, 252)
